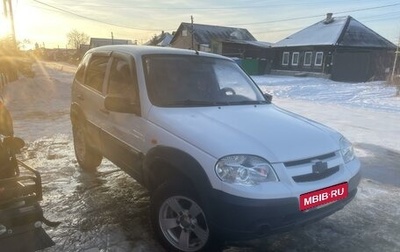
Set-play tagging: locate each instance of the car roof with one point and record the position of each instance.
(137, 50)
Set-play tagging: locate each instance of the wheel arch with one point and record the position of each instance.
(76, 113)
(163, 163)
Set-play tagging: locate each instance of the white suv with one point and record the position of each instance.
(219, 160)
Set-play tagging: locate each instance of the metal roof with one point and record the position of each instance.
(204, 34)
(338, 31)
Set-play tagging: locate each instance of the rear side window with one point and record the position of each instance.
(80, 73)
(96, 71)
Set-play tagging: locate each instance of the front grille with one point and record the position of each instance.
(316, 176)
(308, 160)
(314, 168)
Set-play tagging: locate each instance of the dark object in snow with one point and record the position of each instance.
(21, 216)
(6, 125)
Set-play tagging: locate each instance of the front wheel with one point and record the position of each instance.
(179, 220)
(87, 157)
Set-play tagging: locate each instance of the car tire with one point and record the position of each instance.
(88, 158)
(179, 220)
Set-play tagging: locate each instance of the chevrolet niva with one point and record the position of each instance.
(220, 161)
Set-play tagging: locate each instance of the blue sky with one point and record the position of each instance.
(48, 21)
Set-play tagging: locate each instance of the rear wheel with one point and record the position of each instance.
(179, 220)
(88, 158)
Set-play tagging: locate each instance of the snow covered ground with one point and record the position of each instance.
(108, 211)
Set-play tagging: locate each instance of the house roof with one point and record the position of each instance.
(339, 31)
(204, 34)
(260, 44)
(162, 39)
(166, 39)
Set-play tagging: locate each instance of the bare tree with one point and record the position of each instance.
(76, 38)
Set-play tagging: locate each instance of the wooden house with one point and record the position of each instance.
(339, 48)
(162, 40)
(96, 42)
(202, 37)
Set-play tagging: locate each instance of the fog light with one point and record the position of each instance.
(3, 229)
(38, 224)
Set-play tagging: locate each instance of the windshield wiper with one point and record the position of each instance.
(248, 102)
(190, 103)
(202, 103)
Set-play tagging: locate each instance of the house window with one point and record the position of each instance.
(285, 59)
(295, 59)
(184, 33)
(307, 58)
(318, 58)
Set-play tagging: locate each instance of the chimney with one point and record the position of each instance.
(329, 18)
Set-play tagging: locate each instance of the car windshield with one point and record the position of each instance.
(192, 81)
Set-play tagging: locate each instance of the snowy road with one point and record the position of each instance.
(108, 211)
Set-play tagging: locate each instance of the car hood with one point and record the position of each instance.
(264, 130)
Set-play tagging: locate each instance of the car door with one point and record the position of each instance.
(88, 93)
(124, 132)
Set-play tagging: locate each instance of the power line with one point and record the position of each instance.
(92, 19)
(214, 8)
(217, 8)
(315, 16)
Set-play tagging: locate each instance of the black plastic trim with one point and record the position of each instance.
(177, 159)
(316, 176)
(237, 218)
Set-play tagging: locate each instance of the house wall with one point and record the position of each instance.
(306, 59)
(184, 41)
(340, 64)
(244, 51)
(360, 65)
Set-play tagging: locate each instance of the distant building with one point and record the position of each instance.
(96, 42)
(340, 48)
(242, 49)
(202, 37)
(163, 40)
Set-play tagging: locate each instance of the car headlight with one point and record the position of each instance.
(346, 149)
(244, 170)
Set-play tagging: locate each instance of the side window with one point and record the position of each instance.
(122, 80)
(318, 59)
(285, 58)
(81, 69)
(307, 58)
(295, 58)
(96, 71)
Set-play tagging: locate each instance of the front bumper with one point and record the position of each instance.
(240, 218)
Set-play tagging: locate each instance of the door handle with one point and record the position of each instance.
(80, 97)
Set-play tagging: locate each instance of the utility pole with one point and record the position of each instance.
(8, 11)
(191, 17)
(112, 38)
(396, 54)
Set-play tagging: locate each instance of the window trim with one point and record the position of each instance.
(298, 58)
(305, 58)
(316, 57)
(287, 54)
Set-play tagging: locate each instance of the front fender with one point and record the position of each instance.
(174, 162)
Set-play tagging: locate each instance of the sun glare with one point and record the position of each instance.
(5, 27)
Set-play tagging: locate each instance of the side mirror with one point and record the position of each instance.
(268, 97)
(121, 104)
